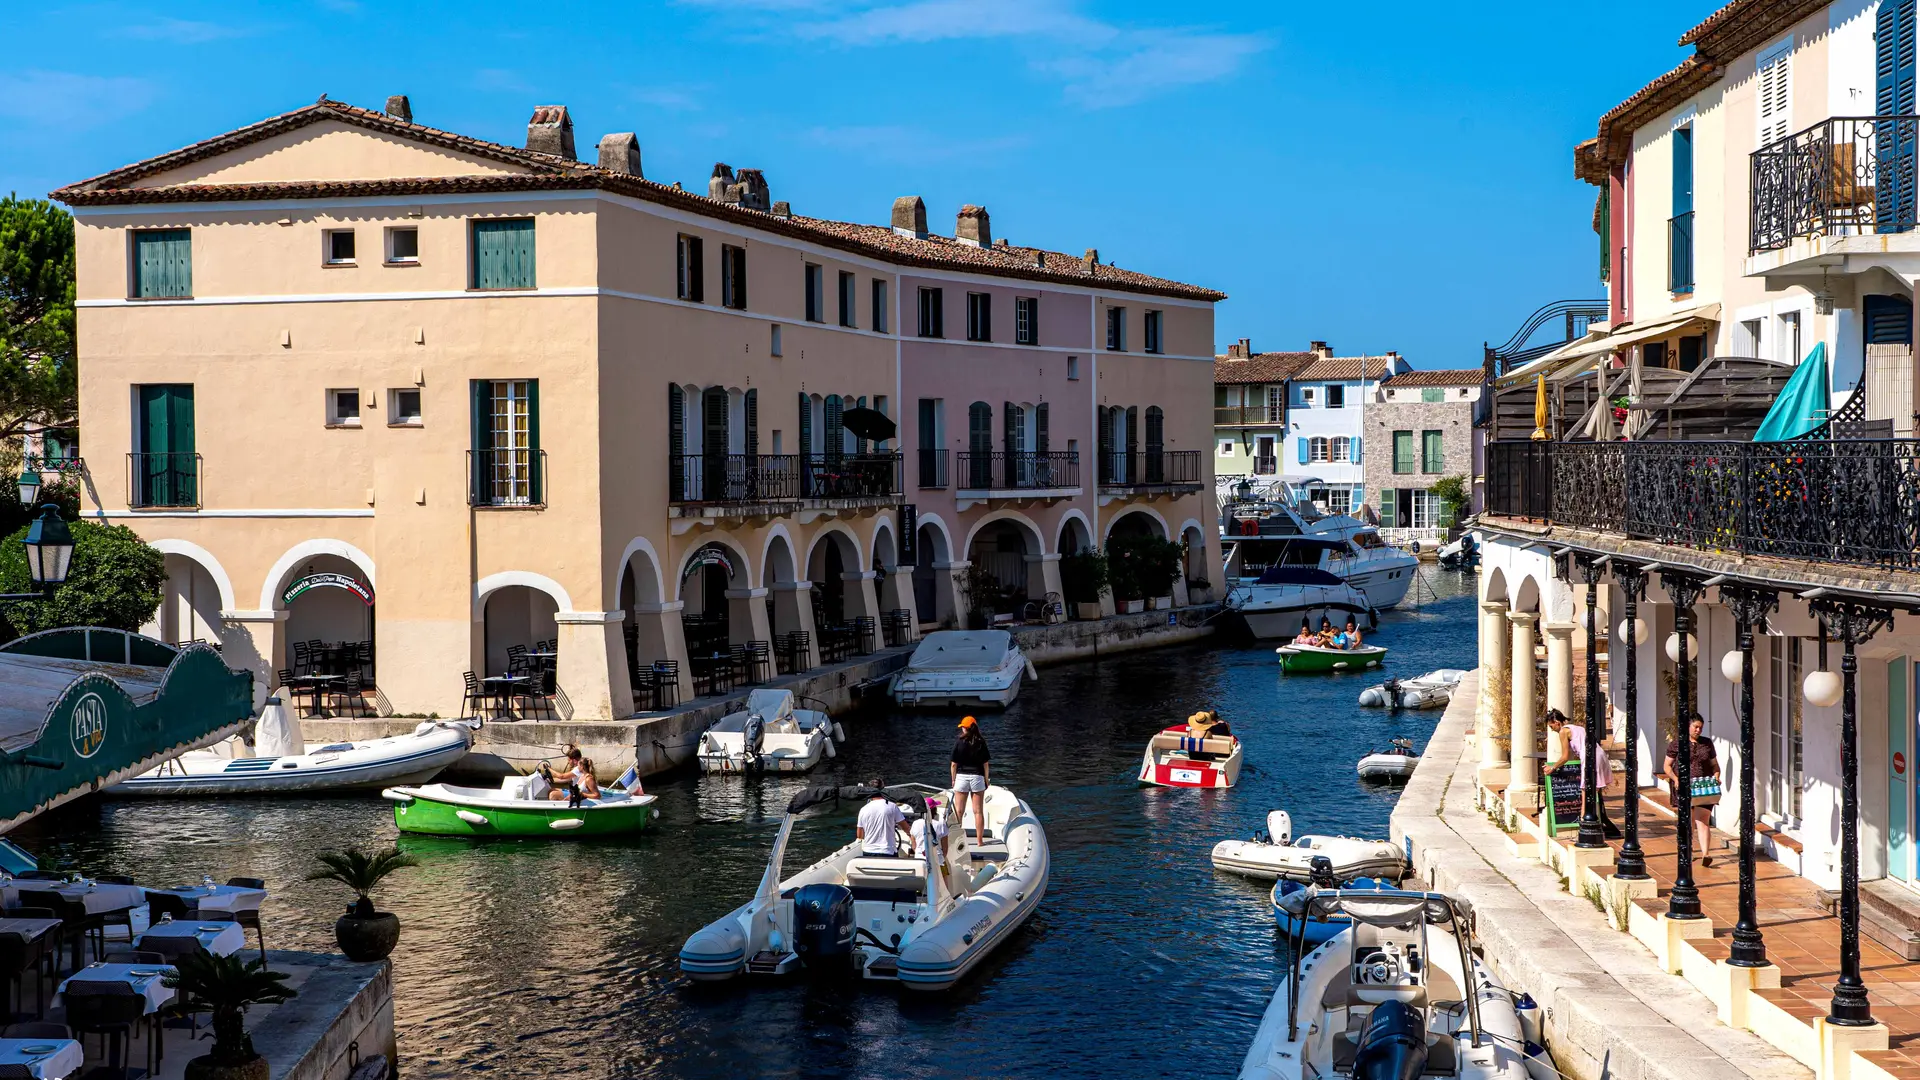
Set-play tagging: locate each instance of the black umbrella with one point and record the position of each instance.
(870, 424)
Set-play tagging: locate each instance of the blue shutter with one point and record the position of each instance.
(1894, 141)
(1682, 171)
(1354, 450)
(503, 254)
(1304, 452)
(1889, 320)
(1680, 225)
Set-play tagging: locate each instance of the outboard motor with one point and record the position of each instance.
(1393, 1046)
(754, 733)
(1320, 872)
(1394, 692)
(823, 927)
(1280, 828)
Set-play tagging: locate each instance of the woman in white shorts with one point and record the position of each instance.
(968, 772)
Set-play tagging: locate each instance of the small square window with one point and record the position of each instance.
(774, 345)
(1226, 447)
(343, 408)
(339, 247)
(403, 408)
(1073, 367)
(403, 245)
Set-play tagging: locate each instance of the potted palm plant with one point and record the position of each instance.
(226, 985)
(363, 933)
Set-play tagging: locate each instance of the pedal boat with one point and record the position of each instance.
(1175, 758)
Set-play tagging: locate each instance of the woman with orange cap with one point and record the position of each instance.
(968, 772)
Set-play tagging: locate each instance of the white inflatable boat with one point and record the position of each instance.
(963, 668)
(923, 922)
(1280, 854)
(769, 735)
(1430, 691)
(1394, 765)
(1397, 995)
(281, 762)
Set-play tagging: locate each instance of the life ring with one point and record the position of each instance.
(1249, 527)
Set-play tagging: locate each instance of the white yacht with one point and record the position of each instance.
(1288, 563)
(965, 668)
(769, 735)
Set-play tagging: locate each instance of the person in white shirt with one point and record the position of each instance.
(930, 819)
(881, 824)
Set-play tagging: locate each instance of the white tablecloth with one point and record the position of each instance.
(64, 1060)
(219, 899)
(147, 986)
(98, 897)
(218, 938)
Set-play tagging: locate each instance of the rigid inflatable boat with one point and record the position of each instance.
(923, 922)
(1394, 765)
(1396, 995)
(1282, 855)
(1430, 691)
(769, 735)
(964, 668)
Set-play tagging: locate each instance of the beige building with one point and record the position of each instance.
(365, 380)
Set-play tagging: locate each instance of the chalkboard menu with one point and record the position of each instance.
(1563, 798)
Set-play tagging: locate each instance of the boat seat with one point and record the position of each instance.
(1219, 745)
(879, 872)
(1346, 994)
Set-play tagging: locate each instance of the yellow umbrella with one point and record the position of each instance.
(1540, 408)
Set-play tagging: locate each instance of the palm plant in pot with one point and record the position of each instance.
(363, 933)
(226, 985)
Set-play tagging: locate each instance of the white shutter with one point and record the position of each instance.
(1774, 95)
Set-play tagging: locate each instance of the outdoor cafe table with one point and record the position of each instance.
(147, 983)
(501, 687)
(51, 1059)
(30, 930)
(218, 899)
(99, 897)
(218, 938)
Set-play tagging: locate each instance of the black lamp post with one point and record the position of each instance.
(1591, 834)
(1684, 901)
(1631, 865)
(49, 545)
(1751, 606)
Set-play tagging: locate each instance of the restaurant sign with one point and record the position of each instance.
(330, 581)
(711, 555)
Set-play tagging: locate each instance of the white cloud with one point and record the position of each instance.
(67, 99)
(182, 31)
(892, 142)
(947, 20)
(1153, 64)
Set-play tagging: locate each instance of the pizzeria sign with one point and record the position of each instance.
(329, 581)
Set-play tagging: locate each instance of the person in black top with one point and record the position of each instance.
(968, 773)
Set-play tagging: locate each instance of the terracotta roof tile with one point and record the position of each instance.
(549, 172)
(1439, 377)
(1260, 367)
(1346, 369)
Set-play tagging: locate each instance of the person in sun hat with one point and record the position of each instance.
(968, 772)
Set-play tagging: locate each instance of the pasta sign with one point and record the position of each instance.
(329, 581)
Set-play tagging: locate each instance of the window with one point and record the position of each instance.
(403, 408)
(1306, 397)
(1431, 394)
(773, 343)
(1339, 500)
(1403, 451)
(1432, 454)
(1340, 448)
(847, 316)
(1266, 461)
(403, 245)
(816, 293)
(1425, 511)
(1073, 369)
(506, 442)
(880, 306)
(162, 263)
(1680, 225)
(343, 408)
(931, 318)
(1276, 403)
(166, 471)
(503, 254)
(1318, 449)
(1337, 396)
(1152, 333)
(1026, 321)
(338, 248)
(1746, 337)
(1788, 339)
(690, 269)
(733, 276)
(1775, 90)
(1226, 448)
(979, 316)
(1117, 329)
(1783, 730)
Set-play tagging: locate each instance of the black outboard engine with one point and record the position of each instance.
(823, 927)
(1394, 1045)
(1394, 691)
(1320, 872)
(754, 733)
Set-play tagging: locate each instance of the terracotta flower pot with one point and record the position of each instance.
(1086, 611)
(365, 938)
(205, 1068)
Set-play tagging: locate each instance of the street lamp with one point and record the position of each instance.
(29, 486)
(49, 545)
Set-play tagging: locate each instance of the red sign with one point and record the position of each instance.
(1899, 763)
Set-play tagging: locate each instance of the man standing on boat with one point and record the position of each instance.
(881, 824)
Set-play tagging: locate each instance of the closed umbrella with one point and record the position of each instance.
(1540, 408)
(870, 424)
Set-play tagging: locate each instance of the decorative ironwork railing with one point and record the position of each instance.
(1852, 501)
(1845, 176)
(765, 478)
(1249, 415)
(507, 477)
(1022, 470)
(933, 468)
(156, 480)
(1150, 468)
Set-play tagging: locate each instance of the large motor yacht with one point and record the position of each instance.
(1288, 561)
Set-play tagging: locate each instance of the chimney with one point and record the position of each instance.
(1040, 259)
(1002, 244)
(620, 152)
(910, 217)
(1090, 260)
(1320, 349)
(972, 227)
(1240, 350)
(783, 209)
(400, 108)
(753, 193)
(551, 132)
(719, 187)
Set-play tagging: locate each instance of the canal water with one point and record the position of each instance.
(559, 959)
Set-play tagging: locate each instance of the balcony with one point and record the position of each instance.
(1843, 177)
(163, 481)
(510, 479)
(1248, 416)
(1848, 501)
(1021, 474)
(778, 483)
(1152, 472)
(933, 469)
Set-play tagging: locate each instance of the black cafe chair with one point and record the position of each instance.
(666, 684)
(249, 918)
(112, 1010)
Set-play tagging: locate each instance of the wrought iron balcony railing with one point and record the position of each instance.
(1021, 470)
(764, 478)
(163, 480)
(933, 468)
(1153, 468)
(508, 477)
(1249, 415)
(1847, 176)
(1851, 501)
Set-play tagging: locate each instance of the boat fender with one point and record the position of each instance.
(831, 752)
(470, 817)
(1527, 1011)
(397, 796)
(564, 824)
(839, 732)
(1539, 1063)
(1032, 672)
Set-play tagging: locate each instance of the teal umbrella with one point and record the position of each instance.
(1802, 405)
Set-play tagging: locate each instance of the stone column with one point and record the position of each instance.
(862, 596)
(793, 610)
(747, 616)
(949, 606)
(896, 591)
(1494, 654)
(1523, 782)
(1560, 669)
(661, 636)
(592, 674)
(1043, 576)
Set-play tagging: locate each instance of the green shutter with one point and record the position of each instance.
(1403, 451)
(163, 262)
(1432, 394)
(536, 476)
(1386, 508)
(1431, 452)
(166, 475)
(503, 254)
(481, 471)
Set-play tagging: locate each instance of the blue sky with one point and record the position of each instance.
(1389, 177)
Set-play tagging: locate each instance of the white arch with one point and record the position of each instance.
(840, 527)
(1496, 585)
(723, 540)
(1075, 514)
(892, 548)
(307, 549)
(493, 583)
(1194, 524)
(637, 545)
(778, 531)
(187, 549)
(1147, 510)
(1529, 596)
(939, 526)
(1034, 532)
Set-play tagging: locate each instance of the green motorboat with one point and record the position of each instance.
(1302, 659)
(446, 810)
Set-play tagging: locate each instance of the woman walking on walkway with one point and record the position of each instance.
(1702, 764)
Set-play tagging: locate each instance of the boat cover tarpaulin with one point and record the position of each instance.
(1803, 403)
(961, 650)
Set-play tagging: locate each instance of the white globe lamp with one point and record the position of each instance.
(1731, 667)
(1673, 647)
(1822, 688)
(1639, 629)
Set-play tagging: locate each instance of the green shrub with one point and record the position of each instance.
(1084, 575)
(114, 581)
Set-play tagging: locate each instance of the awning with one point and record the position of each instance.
(1596, 343)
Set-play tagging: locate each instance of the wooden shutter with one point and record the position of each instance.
(860, 444)
(1306, 449)
(1431, 452)
(1894, 143)
(1040, 427)
(163, 263)
(753, 423)
(696, 270)
(1403, 451)
(1889, 320)
(1105, 440)
(503, 254)
(1773, 93)
(979, 445)
(1354, 451)
(536, 473)
(806, 443)
(1386, 507)
(835, 434)
(676, 443)
(482, 471)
